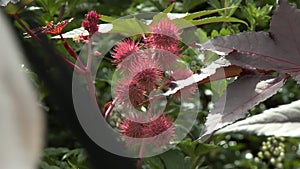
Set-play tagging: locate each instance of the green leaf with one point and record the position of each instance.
(45, 165)
(55, 151)
(105, 18)
(215, 3)
(203, 148)
(225, 4)
(155, 162)
(188, 147)
(218, 87)
(173, 159)
(129, 27)
(169, 9)
(190, 4)
(13, 9)
(74, 152)
(217, 19)
(200, 14)
(202, 35)
(195, 148)
(283, 121)
(158, 17)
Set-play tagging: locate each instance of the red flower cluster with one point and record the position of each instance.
(90, 23)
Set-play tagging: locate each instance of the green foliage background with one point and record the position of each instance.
(225, 151)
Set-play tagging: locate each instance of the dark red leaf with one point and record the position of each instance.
(241, 95)
(277, 50)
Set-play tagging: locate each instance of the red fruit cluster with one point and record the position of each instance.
(143, 67)
(165, 36)
(159, 131)
(90, 23)
(124, 49)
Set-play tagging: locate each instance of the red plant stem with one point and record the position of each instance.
(71, 64)
(82, 69)
(27, 29)
(87, 69)
(141, 153)
(90, 56)
(89, 80)
(71, 52)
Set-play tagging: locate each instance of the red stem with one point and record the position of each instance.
(82, 69)
(33, 35)
(71, 64)
(141, 153)
(89, 80)
(90, 56)
(27, 29)
(71, 52)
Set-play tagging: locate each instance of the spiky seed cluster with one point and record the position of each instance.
(129, 93)
(158, 131)
(165, 36)
(124, 49)
(144, 71)
(90, 23)
(144, 75)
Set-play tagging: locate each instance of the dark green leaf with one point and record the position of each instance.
(169, 9)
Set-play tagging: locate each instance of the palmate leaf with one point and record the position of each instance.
(281, 121)
(241, 95)
(277, 50)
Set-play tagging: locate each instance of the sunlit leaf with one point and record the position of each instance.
(107, 18)
(281, 121)
(217, 19)
(200, 14)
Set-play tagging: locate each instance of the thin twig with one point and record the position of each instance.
(27, 29)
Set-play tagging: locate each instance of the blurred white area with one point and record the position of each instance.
(21, 121)
(5, 2)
